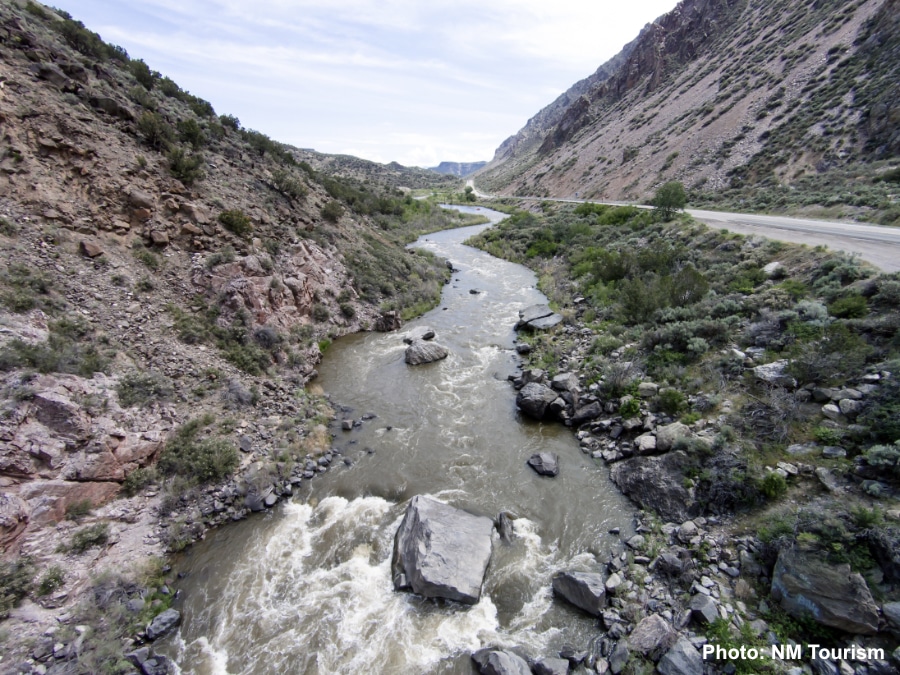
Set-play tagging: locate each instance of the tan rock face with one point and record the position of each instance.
(14, 516)
(277, 297)
(57, 453)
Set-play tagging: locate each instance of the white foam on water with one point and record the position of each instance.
(316, 597)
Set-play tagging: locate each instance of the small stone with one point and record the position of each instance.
(636, 542)
(833, 452)
(90, 250)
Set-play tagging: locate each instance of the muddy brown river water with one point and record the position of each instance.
(306, 588)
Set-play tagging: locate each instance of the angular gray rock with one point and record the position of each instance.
(533, 399)
(834, 596)
(619, 657)
(545, 463)
(774, 373)
(550, 666)
(500, 662)
(163, 623)
(537, 317)
(682, 659)
(652, 637)
(441, 551)
(703, 609)
(667, 436)
(420, 352)
(587, 413)
(585, 590)
(656, 483)
(565, 382)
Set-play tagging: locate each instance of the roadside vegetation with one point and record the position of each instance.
(694, 310)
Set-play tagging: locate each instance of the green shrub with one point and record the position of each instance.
(53, 579)
(886, 457)
(186, 168)
(78, 510)
(237, 222)
(289, 185)
(828, 436)
(332, 211)
(148, 258)
(137, 388)
(671, 401)
(155, 131)
(320, 313)
(190, 132)
(197, 460)
(16, 577)
(142, 73)
(773, 485)
(226, 255)
(70, 349)
(230, 122)
(849, 307)
(865, 518)
(669, 198)
(882, 414)
(137, 480)
(630, 408)
(89, 537)
(348, 310)
(8, 228)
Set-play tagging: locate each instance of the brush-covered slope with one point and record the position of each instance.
(160, 263)
(727, 96)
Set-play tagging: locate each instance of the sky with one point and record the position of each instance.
(412, 81)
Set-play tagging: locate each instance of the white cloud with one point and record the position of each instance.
(401, 80)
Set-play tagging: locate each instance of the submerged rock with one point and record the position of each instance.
(441, 551)
(545, 463)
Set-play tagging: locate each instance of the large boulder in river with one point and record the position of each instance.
(805, 584)
(441, 551)
(585, 590)
(537, 317)
(500, 662)
(656, 483)
(534, 399)
(420, 352)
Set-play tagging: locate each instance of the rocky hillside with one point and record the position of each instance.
(460, 169)
(168, 283)
(391, 175)
(728, 96)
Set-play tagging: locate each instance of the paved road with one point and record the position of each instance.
(873, 243)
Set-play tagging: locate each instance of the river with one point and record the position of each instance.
(306, 587)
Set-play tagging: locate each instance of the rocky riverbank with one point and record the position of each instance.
(704, 586)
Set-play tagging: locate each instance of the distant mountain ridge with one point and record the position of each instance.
(461, 169)
(720, 95)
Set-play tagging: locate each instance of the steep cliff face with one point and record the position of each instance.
(537, 127)
(718, 94)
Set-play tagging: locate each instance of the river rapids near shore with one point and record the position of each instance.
(306, 588)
